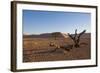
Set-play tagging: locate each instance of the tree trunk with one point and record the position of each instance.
(77, 45)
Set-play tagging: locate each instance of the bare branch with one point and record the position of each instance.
(81, 33)
(70, 36)
(75, 34)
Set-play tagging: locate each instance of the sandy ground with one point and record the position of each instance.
(39, 49)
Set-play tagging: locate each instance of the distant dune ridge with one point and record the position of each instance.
(49, 35)
(46, 35)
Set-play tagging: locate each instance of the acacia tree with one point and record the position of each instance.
(76, 37)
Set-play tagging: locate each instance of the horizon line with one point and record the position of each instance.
(47, 33)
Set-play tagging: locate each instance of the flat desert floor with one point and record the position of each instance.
(39, 49)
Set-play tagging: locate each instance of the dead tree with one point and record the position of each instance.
(76, 38)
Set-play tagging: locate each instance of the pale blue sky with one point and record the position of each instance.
(37, 22)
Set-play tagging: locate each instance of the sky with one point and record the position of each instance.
(37, 22)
